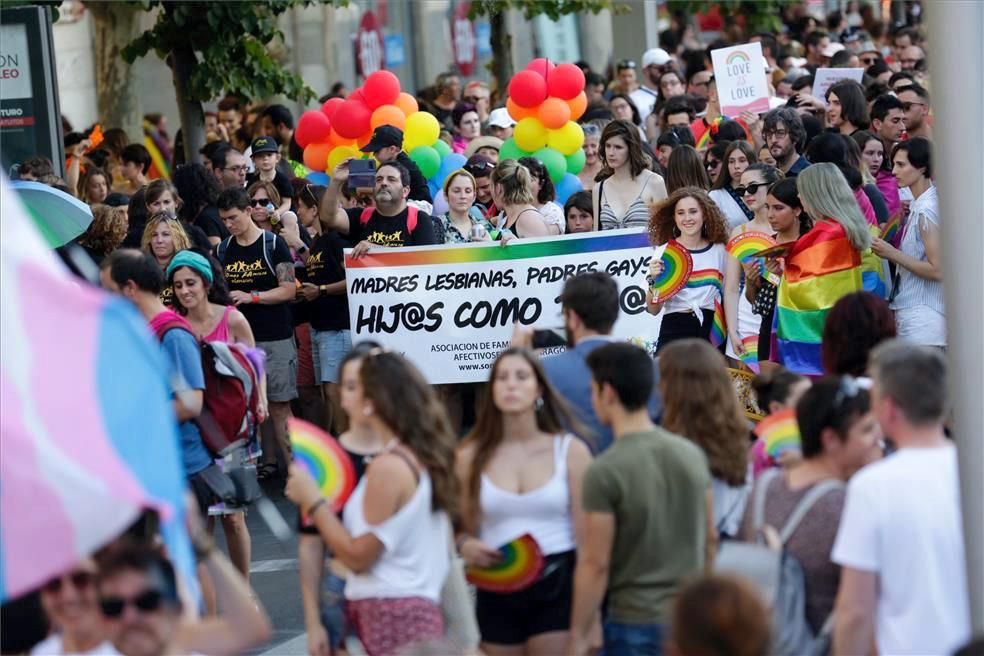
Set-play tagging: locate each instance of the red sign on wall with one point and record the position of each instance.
(463, 40)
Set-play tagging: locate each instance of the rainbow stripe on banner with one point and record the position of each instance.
(821, 267)
(518, 250)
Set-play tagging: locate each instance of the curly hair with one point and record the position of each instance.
(662, 223)
(197, 187)
(107, 230)
(855, 325)
(178, 234)
(547, 192)
(700, 403)
(487, 434)
(394, 385)
(215, 292)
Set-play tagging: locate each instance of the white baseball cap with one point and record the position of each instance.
(832, 49)
(500, 118)
(655, 57)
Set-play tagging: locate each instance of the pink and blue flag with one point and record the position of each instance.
(87, 432)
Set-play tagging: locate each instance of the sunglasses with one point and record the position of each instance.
(147, 602)
(259, 202)
(712, 163)
(751, 189)
(625, 63)
(309, 190)
(79, 580)
(868, 61)
(906, 106)
(591, 130)
(477, 167)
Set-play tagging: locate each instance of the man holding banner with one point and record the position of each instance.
(392, 223)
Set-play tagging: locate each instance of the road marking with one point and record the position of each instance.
(273, 565)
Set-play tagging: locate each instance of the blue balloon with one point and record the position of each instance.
(568, 185)
(434, 187)
(318, 178)
(449, 164)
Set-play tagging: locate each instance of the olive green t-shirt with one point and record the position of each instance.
(655, 485)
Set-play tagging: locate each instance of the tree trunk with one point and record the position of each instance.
(117, 97)
(501, 64)
(182, 61)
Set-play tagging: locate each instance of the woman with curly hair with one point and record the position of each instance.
(520, 472)
(395, 535)
(689, 217)
(855, 325)
(199, 189)
(163, 237)
(700, 403)
(106, 232)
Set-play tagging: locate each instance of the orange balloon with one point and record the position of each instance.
(554, 113)
(407, 104)
(388, 115)
(336, 139)
(316, 155)
(361, 142)
(578, 105)
(519, 113)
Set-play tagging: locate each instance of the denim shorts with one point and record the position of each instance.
(333, 608)
(633, 639)
(329, 347)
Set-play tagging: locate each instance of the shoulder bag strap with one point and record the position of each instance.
(805, 504)
(758, 499)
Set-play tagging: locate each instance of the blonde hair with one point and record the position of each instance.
(455, 174)
(178, 234)
(827, 196)
(516, 181)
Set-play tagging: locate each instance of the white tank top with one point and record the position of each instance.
(416, 547)
(544, 513)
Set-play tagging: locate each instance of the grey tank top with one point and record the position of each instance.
(636, 215)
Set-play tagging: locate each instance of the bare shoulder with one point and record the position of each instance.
(578, 454)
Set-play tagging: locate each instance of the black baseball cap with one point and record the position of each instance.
(479, 166)
(383, 137)
(264, 145)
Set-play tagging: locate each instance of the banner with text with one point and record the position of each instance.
(451, 309)
(739, 72)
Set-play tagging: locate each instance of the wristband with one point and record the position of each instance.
(322, 289)
(254, 297)
(302, 248)
(314, 506)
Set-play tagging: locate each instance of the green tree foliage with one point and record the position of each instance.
(214, 48)
(495, 10)
(758, 15)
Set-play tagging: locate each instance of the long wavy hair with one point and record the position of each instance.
(554, 417)
(662, 224)
(107, 230)
(827, 196)
(407, 404)
(178, 234)
(700, 403)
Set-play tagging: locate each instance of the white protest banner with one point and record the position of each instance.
(451, 309)
(828, 77)
(739, 72)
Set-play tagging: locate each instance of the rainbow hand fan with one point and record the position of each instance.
(520, 567)
(677, 267)
(779, 250)
(891, 229)
(748, 245)
(780, 432)
(325, 460)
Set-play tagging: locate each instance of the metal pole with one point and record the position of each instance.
(956, 57)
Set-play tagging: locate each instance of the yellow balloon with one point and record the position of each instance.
(567, 139)
(421, 129)
(339, 154)
(530, 135)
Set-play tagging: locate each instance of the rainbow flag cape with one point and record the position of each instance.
(822, 267)
(873, 270)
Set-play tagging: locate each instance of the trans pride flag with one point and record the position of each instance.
(822, 267)
(87, 433)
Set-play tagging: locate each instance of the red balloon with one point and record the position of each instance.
(352, 119)
(528, 89)
(381, 88)
(312, 127)
(565, 81)
(331, 106)
(541, 65)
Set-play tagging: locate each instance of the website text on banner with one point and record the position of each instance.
(451, 309)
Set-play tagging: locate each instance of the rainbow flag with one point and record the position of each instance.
(87, 431)
(822, 267)
(750, 356)
(712, 278)
(873, 270)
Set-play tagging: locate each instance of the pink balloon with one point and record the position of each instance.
(541, 65)
(381, 88)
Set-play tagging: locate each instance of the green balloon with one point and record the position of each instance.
(442, 148)
(427, 160)
(509, 150)
(575, 162)
(554, 161)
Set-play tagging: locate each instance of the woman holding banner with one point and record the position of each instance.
(520, 473)
(512, 190)
(462, 216)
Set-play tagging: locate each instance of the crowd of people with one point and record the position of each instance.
(632, 470)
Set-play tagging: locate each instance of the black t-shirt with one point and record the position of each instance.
(210, 222)
(391, 230)
(324, 266)
(248, 269)
(280, 181)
